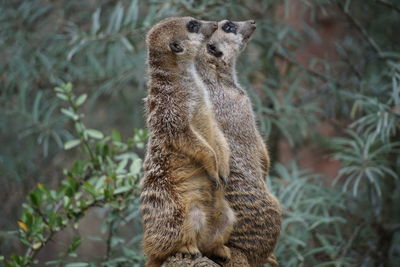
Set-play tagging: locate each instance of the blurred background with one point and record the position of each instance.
(324, 79)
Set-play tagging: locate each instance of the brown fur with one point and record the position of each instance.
(257, 211)
(187, 159)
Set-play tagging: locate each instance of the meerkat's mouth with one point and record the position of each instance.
(213, 50)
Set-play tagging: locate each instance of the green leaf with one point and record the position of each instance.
(81, 99)
(127, 44)
(70, 113)
(95, 22)
(132, 13)
(89, 188)
(122, 189)
(62, 96)
(135, 166)
(59, 90)
(77, 264)
(71, 143)
(76, 242)
(116, 136)
(34, 198)
(66, 201)
(94, 133)
(67, 86)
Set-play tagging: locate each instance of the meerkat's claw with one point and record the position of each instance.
(215, 181)
(189, 252)
(197, 255)
(223, 179)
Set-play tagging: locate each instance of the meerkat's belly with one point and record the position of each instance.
(203, 122)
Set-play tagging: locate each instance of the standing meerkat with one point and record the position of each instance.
(257, 211)
(187, 159)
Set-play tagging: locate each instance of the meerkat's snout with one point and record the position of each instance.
(248, 28)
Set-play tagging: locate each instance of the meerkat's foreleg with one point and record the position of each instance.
(195, 146)
(223, 156)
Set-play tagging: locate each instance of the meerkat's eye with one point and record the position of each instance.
(175, 47)
(193, 26)
(229, 27)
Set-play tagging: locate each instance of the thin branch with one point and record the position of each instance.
(352, 67)
(320, 90)
(351, 240)
(388, 4)
(109, 239)
(362, 31)
(320, 76)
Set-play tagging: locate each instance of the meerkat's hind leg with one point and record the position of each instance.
(225, 220)
(193, 227)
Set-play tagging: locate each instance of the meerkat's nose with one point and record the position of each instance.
(252, 23)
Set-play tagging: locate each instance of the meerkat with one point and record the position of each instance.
(187, 160)
(257, 211)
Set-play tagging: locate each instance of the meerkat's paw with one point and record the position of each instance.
(215, 179)
(221, 255)
(224, 170)
(189, 251)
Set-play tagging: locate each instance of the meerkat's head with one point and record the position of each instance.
(230, 39)
(179, 39)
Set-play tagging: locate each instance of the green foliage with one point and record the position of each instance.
(108, 177)
(352, 220)
(314, 223)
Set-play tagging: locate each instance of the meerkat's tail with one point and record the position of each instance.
(272, 260)
(153, 262)
(237, 259)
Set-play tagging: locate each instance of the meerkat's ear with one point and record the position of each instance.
(175, 47)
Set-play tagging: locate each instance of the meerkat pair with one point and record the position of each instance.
(187, 160)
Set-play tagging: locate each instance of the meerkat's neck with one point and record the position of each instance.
(216, 73)
(171, 71)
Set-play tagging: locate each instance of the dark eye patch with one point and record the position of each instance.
(193, 26)
(230, 27)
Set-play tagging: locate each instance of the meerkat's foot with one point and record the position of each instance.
(189, 251)
(221, 255)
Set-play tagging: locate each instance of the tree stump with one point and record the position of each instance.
(186, 261)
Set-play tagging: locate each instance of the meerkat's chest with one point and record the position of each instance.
(233, 106)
